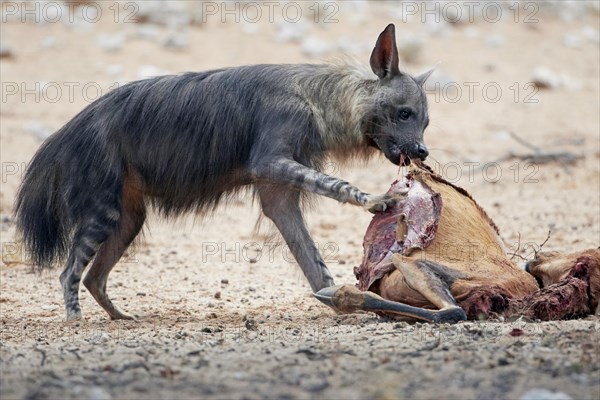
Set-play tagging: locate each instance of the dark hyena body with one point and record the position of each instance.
(183, 143)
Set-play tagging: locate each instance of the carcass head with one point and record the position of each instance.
(550, 267)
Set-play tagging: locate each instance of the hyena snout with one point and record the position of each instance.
(418, 150)
(422, 151)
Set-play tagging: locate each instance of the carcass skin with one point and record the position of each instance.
(437, 256)
(389, 232)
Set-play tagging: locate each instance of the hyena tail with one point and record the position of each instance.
(38, 208)
(71, 183)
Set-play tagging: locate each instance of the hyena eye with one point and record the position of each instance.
(404, 115)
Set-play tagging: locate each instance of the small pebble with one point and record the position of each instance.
(176, 42)
(149, 71)
(101, 337)
(590, 33)
(438, 80)
(544, 78)
(544, 394)
(114, 70)
(148, 32)
(37, 129)
(571, 40)
(314, 47)
(495, 41)
(49, 42)
(111, 43)
(471, 32)
(409, 48)
(91, 392)
(250, 324)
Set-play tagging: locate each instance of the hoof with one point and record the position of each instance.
(327, 295)
(450, 316)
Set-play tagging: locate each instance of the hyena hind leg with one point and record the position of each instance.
(110, 252)
(87, 241)
(133, 215)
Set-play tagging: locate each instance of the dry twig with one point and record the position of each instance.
(538, 155)
(535, 251)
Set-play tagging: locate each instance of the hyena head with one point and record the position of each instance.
(398, 115)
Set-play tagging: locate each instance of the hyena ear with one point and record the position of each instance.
(384, 58)
(421, 79)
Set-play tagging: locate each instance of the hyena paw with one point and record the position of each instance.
(73, 315)
(116, 315)
(376, 204)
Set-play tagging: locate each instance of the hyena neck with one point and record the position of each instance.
(340, 96)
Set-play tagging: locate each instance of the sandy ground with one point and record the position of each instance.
(224, 314)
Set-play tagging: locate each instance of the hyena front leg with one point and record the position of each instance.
(283, 208)
(291, 173)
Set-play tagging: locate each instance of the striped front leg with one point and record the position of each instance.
(292, 173)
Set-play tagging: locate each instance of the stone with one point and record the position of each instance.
(544, 394)
(149, 71)
(114, 70)
(438, 79)
(544, 78)
(176, 41)
(111, 43)
(37, 129)
(571, 40)
(49, 42)
(410, 48)
(5, 51)
(495, 40)
(286, 32)
(315, 47)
